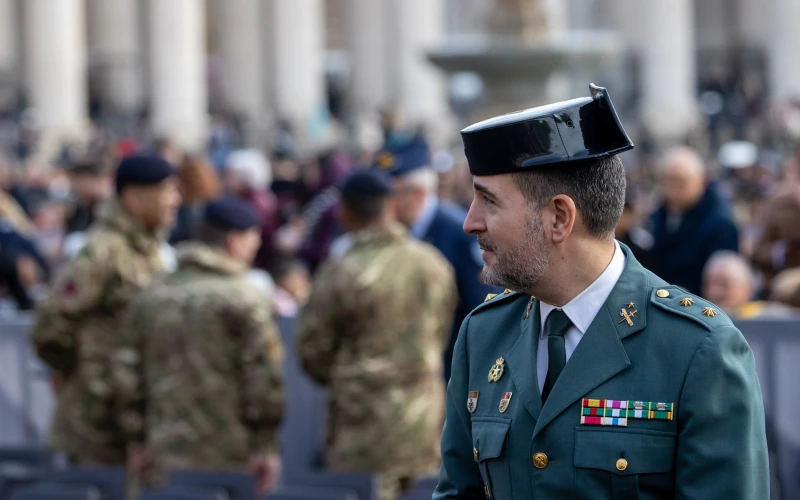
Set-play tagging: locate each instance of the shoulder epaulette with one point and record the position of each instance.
(673, 299)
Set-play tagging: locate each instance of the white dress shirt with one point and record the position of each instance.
(581, 311)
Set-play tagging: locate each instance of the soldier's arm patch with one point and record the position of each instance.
(81, 285)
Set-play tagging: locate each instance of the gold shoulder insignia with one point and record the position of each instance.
(679, 301)
(489, 296)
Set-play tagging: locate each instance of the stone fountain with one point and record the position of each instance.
(525, 56)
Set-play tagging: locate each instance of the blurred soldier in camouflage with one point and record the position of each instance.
(76, 330)
(201, 387)
(373, 332)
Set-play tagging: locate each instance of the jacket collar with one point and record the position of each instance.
(193, 254)
(112, 215)
(372, 235)
(598, 357)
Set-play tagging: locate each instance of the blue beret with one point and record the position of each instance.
(401, 159)
(366, 182)
(142, 170)
(230, 214)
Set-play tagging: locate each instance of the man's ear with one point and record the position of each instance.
(563, 217)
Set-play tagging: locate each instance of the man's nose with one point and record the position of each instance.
(474, 223)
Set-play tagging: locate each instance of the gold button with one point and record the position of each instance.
(622, 464)
(540, 460)
(475, 453)
(662, 293)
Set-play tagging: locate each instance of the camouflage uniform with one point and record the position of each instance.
(76, 332)
(199, 379)
(373, 332)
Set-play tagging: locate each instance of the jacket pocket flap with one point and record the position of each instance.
(488, 437)
(624, 452)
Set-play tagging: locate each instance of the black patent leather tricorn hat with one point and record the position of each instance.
(567, 131)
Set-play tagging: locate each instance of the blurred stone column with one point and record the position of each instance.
(55, 64)
(753, 26)
(9, 63)
(625, 17)
(178, 85)
(667, 49)
(368, 43)
(784, 71)
(114, 53)
(416, 88)
(240, 28)
(298, 78)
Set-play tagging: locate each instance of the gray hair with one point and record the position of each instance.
(740, 264)
(596, 186)
(252, 166)
(684, 156)
(425, 178)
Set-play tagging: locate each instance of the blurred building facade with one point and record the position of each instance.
(173, 64)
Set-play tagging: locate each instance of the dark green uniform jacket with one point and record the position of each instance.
(705, 440)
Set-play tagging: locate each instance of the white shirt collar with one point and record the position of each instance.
(584, 307)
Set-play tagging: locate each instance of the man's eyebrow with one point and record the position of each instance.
(483, 189)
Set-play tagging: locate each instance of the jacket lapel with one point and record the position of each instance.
(600, 354)
(522, 361)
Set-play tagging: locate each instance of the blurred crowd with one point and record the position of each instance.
(721, 227)
(46, 208)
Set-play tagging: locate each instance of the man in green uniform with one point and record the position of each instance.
(76, 330)
(593, 378)
(199, 379)
(373, 333)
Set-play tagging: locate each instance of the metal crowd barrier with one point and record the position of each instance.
(26, 402)
(776, 348)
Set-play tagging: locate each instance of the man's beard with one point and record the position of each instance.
(519, 268)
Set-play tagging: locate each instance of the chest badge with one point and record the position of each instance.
(504, 402)
(618, 413)
(497, 370)
(472, 401)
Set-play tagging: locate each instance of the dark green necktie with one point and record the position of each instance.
(555, 327)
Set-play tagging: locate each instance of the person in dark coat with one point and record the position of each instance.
(10, 279)
(248, 176)
(437, 222)
(91, 184)
(693, 222)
